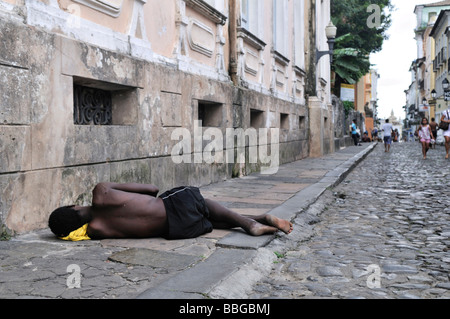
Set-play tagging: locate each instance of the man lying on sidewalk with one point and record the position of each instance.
(135, 211)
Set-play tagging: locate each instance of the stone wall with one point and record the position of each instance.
(342, 122)
(47, 161)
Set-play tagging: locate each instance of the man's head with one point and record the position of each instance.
(387, 120)
(65, 220)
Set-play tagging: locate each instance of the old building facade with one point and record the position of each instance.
(427, 70)
(140, 90)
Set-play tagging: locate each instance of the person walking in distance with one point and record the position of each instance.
(355, 134)
(434, 128)
(425, 136)
(446, 118)
(387, 129)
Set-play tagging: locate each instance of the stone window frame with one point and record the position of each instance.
(285, 121)
(257, 118)
(299, 35)
(280, 16)
(209, 112)
(123, 98)
(111, 8)
(252, 14)
(207, 10)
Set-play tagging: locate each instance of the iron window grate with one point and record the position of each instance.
(92, 106)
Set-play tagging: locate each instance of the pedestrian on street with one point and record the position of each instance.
(446, 118)
(355, 135)
(425, 136)
(434, 128)
(387, 129)
(375, 134)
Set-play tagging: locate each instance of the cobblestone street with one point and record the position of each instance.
(384, 232)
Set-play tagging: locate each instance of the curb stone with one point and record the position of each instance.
(218, 278)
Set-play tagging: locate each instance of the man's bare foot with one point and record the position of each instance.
(269, 225)
(258, 229)
(281, 224)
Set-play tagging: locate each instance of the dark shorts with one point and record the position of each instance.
(187, 213)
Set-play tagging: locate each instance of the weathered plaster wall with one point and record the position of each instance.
(47, 161)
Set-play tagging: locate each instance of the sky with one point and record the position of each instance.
(395, 58)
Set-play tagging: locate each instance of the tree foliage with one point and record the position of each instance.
(349, 63)
(360, 32)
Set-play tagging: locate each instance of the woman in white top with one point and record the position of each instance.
(446, 118)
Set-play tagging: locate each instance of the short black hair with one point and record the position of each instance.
(64, 220)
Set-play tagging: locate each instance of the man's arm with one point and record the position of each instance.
(116, 194)
(444, 120)
(145, 189)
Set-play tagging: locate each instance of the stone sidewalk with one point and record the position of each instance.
(36, 265)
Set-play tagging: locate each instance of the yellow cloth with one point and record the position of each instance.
(78, 235)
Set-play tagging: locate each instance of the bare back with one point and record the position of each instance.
(121, 214)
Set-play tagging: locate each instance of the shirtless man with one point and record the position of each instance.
(135, 211)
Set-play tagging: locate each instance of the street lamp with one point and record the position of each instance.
(434, 94)
(424, 105)
(433, 103)
(330, 32)
(445, 84)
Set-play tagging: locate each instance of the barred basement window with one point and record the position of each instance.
(256, 119)
(210, 113)
(302, 123)
(284, 121)
(92, 106)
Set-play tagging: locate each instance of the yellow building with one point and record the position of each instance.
(365, 99)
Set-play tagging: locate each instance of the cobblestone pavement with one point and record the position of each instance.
(37, 265)
(382, 233)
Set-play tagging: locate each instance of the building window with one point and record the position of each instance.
(302, 122)
(217, 4)
(212, 9)
(251, 13)
(102, 103)
(210, 113)
(284, 121)
(280, 17)
(91, 106)
(256, 119)
(299, 34)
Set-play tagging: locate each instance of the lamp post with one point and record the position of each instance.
(330, 32)
(445, 86)
(433, 103)
(434, 94)
(424, 103)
